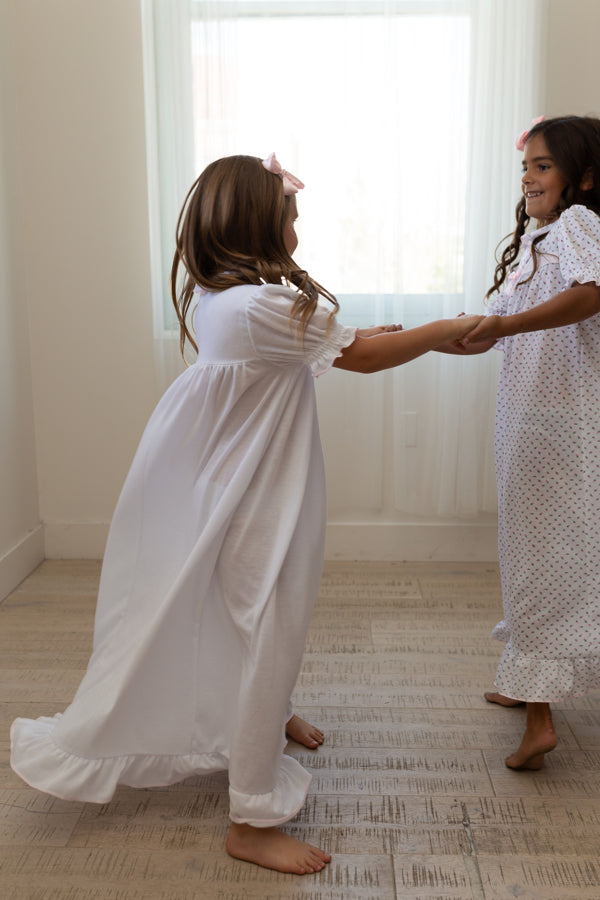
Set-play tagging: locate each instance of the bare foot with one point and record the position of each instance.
(304, 733)
(502, 700)
(539, 738)
(273, 849)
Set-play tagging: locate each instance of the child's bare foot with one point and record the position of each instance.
(494, 697)
(530, 754)
(539, 738)
(304, 733)
(273, 849)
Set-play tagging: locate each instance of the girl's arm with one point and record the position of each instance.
(458, 347)
(377, 329)
(383, 351)
(570, 306)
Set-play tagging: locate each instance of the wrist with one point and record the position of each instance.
(453, 330)
(511, 325)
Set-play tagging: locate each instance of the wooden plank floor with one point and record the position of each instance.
(410, 792)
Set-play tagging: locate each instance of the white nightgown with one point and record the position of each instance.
(548, 473)
(210, 575)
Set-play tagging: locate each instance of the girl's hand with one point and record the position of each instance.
(488, 329)
(455, 342)
(463, 325)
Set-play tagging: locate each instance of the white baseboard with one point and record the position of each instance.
(21, 560)
(412, 542)
(77, 540)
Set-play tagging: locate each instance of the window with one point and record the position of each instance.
(368, 103)
(400, 117)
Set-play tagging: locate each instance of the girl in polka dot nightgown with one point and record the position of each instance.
(544, 313)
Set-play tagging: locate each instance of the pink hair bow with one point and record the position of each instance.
(522, 139)
(291, 184)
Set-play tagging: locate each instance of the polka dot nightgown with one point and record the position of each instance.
(548, 473)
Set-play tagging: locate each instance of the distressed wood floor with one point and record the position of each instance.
(410, 793)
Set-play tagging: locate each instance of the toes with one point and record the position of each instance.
(493, 697)
(532, 763)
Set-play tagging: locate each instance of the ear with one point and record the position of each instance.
(587, 182)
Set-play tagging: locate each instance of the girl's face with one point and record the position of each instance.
(542, 182)
(290, 238)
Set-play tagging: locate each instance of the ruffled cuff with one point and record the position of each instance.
(339, 337)
(279, 805)
(584, 274)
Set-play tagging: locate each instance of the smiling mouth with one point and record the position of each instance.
(530, 195)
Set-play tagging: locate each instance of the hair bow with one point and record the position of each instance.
(522, 139)
(291, 184)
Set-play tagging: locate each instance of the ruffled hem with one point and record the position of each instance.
(546, 680)
(44, 765)
(501, 632)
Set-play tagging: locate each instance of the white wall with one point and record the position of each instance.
(573, 83)
(21, 535)
(82, 151)
(74, 251)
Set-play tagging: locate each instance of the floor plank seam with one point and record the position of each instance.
(394, 886)
(470, 859)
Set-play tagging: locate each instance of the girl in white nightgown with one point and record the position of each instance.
(546, 319)
(215, 552)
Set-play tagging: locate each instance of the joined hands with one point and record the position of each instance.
(488, 329)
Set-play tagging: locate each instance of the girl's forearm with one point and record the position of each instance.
(383, 351)
(468, 350)
(571, 306)
(377, 329)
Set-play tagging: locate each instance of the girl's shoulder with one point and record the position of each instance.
(579, 217)
(242, 294)
(273, 292)
(578, 232)
(267, 301)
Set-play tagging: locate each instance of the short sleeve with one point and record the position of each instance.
(276, 338)
(578, 233)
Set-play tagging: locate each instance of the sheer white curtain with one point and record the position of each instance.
(400, 118)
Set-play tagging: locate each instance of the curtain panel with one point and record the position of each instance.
(400, 117)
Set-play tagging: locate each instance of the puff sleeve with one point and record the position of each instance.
(578, 233)
(275, 337)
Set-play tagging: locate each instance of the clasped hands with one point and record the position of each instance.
(487, 329)
(480, 338)
(483, 334)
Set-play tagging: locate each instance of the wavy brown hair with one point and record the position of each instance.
(574, 144)
(230, 232)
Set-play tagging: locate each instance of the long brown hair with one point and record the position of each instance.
(230, 232)
(574, 144)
